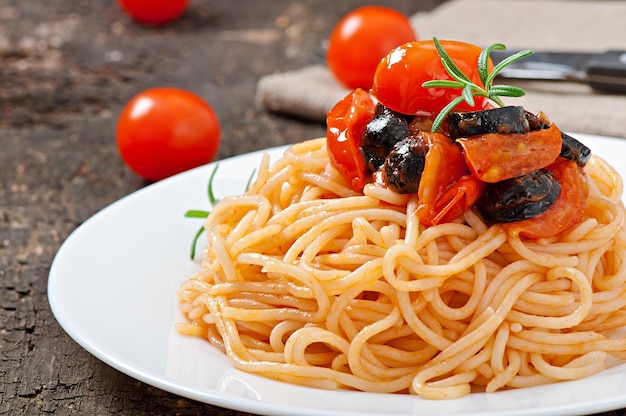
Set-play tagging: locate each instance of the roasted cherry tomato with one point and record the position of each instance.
(154, 12)
(345, 125)
(444, 166)
(400, 74)
(458, 198)
(361, 39)
(164, 131)
(494, 157)
(566, 211)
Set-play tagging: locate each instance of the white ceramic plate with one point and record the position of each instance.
(112, 287)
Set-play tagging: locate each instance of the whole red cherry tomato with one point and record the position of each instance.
(361, 39)
(163, 131)
(345, 125)
(400, 74)
(154, 12)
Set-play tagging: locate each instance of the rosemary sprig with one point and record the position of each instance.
(249, 183)
(470, 89)
(196, 213)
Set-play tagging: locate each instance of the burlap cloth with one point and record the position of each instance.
(564, 25)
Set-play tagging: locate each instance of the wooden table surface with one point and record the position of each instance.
(66, 69)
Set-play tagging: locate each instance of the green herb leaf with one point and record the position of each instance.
(469, 89)
(443, 83)
(506, 62)
(452, 69)
(444, 113)
(507, 91)
(194, 242)
(250, 179)
(212, 199)
(196, 213)
(468, 95)
(483, 61)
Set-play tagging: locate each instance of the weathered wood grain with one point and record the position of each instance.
(66, 69)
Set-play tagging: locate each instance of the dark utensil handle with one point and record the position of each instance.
(607, 72)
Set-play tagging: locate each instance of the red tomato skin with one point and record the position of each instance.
(494, 157)
(164, 131)
(154, 12)
(400, 74)
(566, 211)
(443, 167)
(458, 198)
(345, 125)
(361, 39)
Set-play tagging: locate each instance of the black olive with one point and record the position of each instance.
(574, 150)
(497, 120)
(537, 122)
(382, 132)
(519, 198)
(404, 165)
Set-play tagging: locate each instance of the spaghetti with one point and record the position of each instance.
(306, 281)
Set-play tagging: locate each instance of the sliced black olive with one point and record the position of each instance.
(574, 150)
(537, 122)
(497, 120)
(404, 166)
(519, 198)
(382, 132)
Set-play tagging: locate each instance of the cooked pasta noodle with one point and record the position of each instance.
(307, 282)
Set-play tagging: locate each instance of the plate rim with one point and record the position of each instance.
(209, 396)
